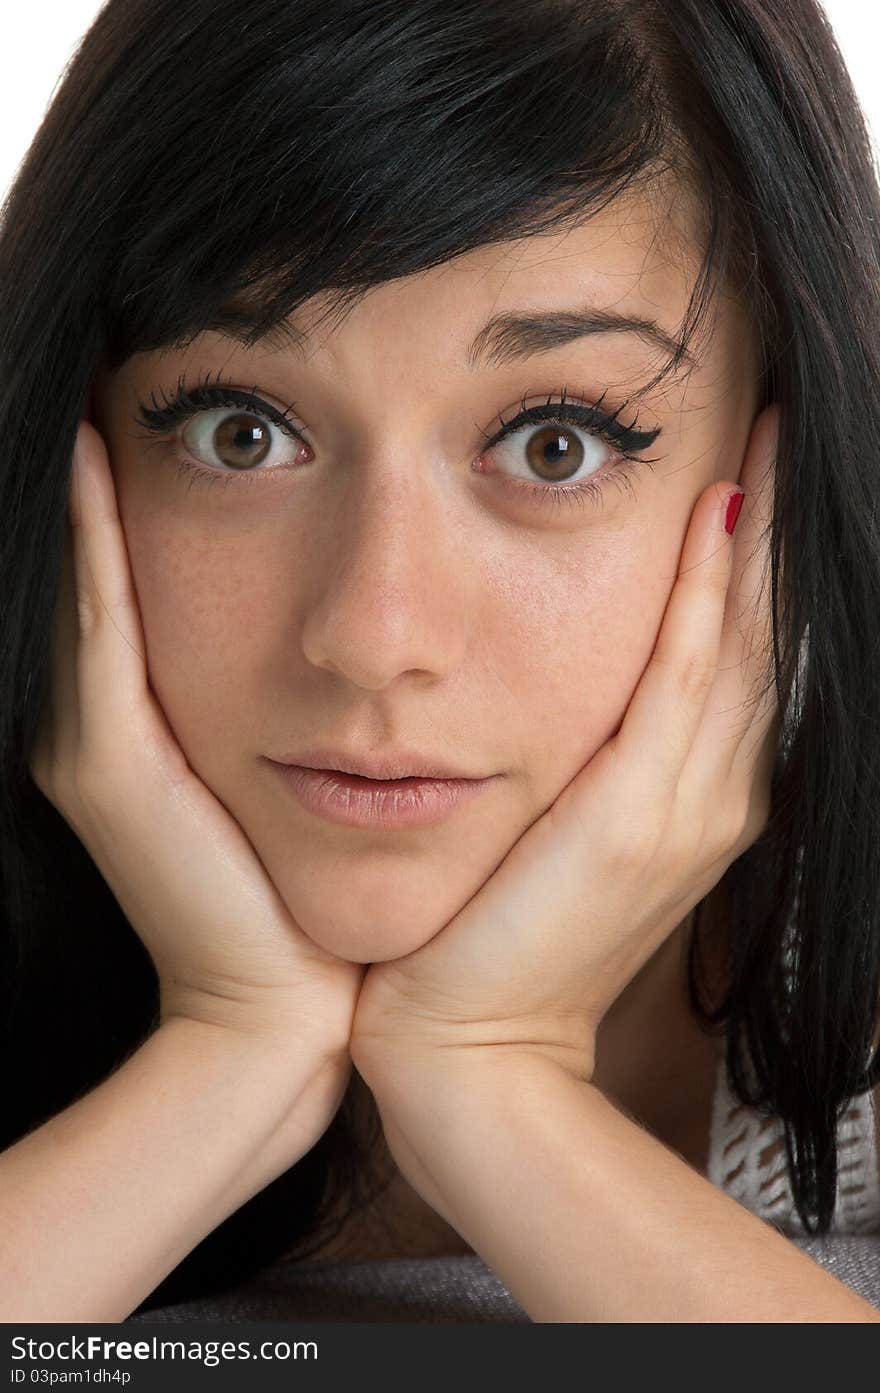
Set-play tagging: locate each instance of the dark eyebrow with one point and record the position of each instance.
(506, 338)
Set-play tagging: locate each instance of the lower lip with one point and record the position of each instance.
(356, 802)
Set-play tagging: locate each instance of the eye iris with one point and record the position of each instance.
(234, 437)
(554, 453)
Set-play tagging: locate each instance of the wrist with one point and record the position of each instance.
(277, 1029)
(409, 1063)
(443, 1117)
(281, 1095)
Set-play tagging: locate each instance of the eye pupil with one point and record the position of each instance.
(555, 453)
(233, 437)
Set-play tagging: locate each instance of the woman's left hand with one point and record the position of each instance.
(637, 838)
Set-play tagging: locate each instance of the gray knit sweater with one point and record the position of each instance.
(446, 1289)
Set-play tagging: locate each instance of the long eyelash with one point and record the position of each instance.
(604, 423)
(626, 441)
(185, 403)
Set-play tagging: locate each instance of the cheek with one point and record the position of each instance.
(558, 642)
(577, 650)
(206, 609)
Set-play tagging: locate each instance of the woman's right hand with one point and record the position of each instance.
(225, 947)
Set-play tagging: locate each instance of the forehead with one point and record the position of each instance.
(488, 310)
(637, 257)
(625, 273)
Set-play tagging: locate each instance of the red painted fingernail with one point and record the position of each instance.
(734, 503)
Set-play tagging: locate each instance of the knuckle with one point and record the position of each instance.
(96, 607)
(757, 821)
(747, 824)
(696, 675)
(734, 840)
(85, 614)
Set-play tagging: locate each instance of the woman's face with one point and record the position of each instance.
(388, 583)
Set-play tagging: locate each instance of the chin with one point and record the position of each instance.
(351, 931)
(363, 945)
(371, 915)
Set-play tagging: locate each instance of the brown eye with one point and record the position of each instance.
(239, 442)
(554, 453)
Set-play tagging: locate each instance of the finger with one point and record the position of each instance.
(742, 704)
(664, 713)
(110, 663)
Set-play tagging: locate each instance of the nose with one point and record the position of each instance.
(389, 598)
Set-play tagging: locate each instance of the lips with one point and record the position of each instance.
(379, 765)
(352, 800)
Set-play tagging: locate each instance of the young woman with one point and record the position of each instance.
(388, 681)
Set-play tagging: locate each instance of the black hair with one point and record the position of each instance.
(219, 162)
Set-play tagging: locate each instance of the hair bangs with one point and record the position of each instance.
(376, 144)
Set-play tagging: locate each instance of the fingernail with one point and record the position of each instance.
(734, 503)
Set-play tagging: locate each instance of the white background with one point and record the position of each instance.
(39, 38)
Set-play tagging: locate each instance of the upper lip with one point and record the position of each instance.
(388, 764)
